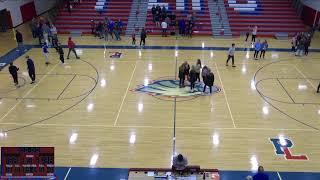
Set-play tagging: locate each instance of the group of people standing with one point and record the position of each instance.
(187, 25)
(193, 75)
(260, 47)
(300, 44)
(107, 28)
(44, 30)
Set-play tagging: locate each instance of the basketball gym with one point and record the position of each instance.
(118, 112)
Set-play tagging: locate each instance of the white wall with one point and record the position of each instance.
(14, 7)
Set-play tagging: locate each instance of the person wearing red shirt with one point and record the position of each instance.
(72, 46)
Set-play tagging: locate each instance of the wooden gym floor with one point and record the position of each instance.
(89, 107)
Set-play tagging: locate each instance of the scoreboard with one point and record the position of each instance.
(19, 162)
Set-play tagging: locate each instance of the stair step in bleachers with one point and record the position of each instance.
(181, 8)
(81, 15)
(270, 16)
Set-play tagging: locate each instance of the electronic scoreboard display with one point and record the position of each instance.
(19, 162)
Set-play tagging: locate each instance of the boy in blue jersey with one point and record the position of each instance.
(257, 48)
(46, 52)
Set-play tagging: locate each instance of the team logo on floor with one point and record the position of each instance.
(168, 89)
(115, 55)
(282, 148)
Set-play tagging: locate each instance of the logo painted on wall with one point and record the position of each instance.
(2, 64)
(115, 55)
(282, 148)
(168, 89)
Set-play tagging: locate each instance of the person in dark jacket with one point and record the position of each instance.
(186, 69)
(31, 70)
(154, 12)
(19, 39)
(143, 37)
(209, 81)
(307, 43)
(261, 175)
(192, 78)
(61, 53)
(13, 70)
(181, 76)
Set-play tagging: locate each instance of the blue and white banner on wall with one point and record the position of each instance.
(245, 6)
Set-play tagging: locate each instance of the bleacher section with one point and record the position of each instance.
(181, 8)
(271, 17)
(79, 19)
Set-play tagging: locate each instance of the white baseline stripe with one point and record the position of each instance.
(65, 178)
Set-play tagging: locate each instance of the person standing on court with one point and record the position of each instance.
(61, 53)
(254, 34)
(143, 36)
(257, 48)
(264, 48)
(45, 53)
(205, 72)
(231, 52)
(209, 82)
(192, 78)
(72, 46)
(13, 70)
(19, 39)
(198, 69)
(31, 70)
(181, 76)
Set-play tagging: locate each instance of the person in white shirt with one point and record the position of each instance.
(164, 27)
(231, 52)
(254, 33)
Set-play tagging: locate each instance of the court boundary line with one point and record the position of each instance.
(161, 127)
(125, 95)
(280, 178)
(36, 85)
(65, 178)
(225, 96)
(286, 91)
(305, 77)
(65, 88)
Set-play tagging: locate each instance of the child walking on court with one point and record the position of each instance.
(257, 48)
(72, 46)
(231, 52)
(14, 73)
(198, 69)
(45, 53)
(264, 48)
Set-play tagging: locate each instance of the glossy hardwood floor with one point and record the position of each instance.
(88, 107)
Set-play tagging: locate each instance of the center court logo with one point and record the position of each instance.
(168, 89)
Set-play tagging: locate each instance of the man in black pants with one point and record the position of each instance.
(143, 37)
(31, 70)
(61, 53)
(14, 73)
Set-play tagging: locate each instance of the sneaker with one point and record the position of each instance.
(227, 65)
(67, 58)
(233, 66)
(78, 57)
(32, 82)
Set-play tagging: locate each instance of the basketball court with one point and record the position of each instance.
(128, 111)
